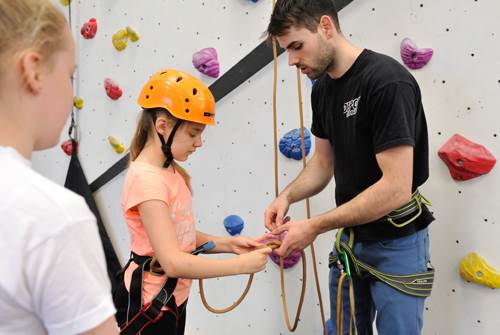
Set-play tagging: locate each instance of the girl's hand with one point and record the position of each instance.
(242, 244)
(253, 261)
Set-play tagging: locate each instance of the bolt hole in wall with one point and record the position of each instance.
(233, 171)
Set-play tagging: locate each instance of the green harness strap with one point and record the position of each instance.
(418, 284)
(414, 205)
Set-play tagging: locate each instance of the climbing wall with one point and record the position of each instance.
(233, 172)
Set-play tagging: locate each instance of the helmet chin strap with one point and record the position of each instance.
(166, 146)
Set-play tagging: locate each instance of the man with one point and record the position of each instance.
(371, 135)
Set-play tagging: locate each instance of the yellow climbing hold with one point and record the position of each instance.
(475, 269)
(78, 102)
(119, 148)
(65, 2)
(120, 39)
(134, 37)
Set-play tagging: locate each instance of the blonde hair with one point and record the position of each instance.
(30, 24)
(145, 130)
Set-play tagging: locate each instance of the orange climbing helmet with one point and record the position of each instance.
(181, 94)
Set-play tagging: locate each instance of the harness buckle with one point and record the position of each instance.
(155, 267)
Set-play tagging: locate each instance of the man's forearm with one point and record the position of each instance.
(312, 180)
(375, 202)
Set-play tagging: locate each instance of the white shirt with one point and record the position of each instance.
(53, 277)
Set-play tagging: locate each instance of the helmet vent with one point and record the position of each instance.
(179, 79)
(187, 100)
(187, 110)
(147, 96)
(195, 91)
(151, 87)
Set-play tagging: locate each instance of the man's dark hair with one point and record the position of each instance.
(300, 14)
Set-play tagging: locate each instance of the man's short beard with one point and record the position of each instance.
(325, 62)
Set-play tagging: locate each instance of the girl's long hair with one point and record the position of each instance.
(144, 130)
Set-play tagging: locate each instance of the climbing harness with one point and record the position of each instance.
(417, 284)
(414, 205)
(139, 316)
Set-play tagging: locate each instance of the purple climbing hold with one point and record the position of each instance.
(289, 260)
(206, 62)
(291, 145)
(414, 57)
(233, 224)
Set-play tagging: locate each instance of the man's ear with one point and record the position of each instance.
(327, 26)
(29, 66)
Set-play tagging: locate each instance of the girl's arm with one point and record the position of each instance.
(176, 263)
(229, 244)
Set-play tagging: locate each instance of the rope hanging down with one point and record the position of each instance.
(291, 327)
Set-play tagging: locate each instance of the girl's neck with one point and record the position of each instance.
(153, 155)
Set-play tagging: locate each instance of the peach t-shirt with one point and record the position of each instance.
(145, 182)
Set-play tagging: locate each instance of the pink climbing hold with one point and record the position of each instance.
(289, 260)
(413, 57)
(206, 62)
(89, 29)
(113, 90)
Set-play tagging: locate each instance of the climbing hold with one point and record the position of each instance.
(475, 269)
(120, 39)
(65, 2)
(67, 147)
(78, 102)
(89, 29)
(414, 57)
(234, 224)
(112, 88)
(132, 34)
(290, 144)
(119, 148)
(206, 62)
(466, 159)
(289, 260)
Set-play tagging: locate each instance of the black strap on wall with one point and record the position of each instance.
(249, 65)
(76, 182)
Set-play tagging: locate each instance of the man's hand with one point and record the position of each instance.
(299, 234)
(275, 214)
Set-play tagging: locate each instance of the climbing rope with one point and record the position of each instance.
(308, 209)
(272, 245)
(275, 244)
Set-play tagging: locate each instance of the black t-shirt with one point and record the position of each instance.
(374, 106)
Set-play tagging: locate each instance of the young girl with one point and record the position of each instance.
(53, 274)
(157, 207)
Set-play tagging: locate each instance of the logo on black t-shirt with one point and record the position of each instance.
(351, 107)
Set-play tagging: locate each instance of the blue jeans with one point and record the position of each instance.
(397, 313)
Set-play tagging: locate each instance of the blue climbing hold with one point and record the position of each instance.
(233, 224)
(290, 144)
(329, 327)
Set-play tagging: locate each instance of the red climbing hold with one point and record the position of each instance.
(113, 90)
(466, 159)
(89, 29)
(67, 147)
